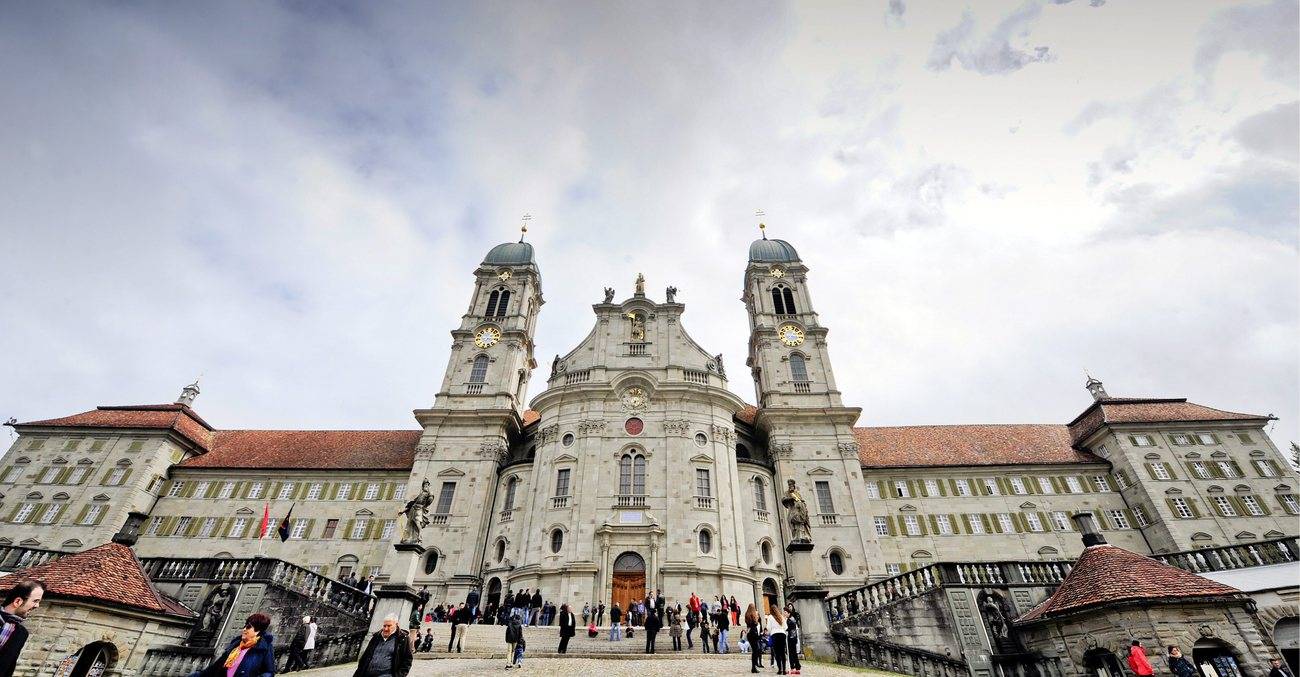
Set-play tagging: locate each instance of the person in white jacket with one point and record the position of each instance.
(774, 621)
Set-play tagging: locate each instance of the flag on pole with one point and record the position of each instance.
(283, 531)
(266, 521)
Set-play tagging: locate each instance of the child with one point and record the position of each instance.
(675, 629)
(514, 636)
(591, 629)
(519, 650)
(744, 645)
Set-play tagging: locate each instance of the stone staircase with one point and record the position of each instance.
(488, 641)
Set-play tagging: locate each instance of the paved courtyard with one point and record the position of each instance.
(595, 667)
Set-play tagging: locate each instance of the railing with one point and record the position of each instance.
(762, 515)
(1026, 665)
(697, 376)
(559, 501)
(473, 388)
(1240, 556)
(506, 515)
(704, 502)
(630, 502)
(637, 349)
(830, 520)
(15, 557)
(803, 387)
(580, 376)
(177, 661)
(440, 518)
(861, 651)
(289, 576)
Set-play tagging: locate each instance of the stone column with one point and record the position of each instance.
(808, 597)
(399, 597)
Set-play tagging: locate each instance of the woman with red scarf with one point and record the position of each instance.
(251, 654)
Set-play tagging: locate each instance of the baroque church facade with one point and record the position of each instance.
(637, 468)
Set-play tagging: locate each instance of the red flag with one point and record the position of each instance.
(266, 521)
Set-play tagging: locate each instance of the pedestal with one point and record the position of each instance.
(398, 597)
(808, 597)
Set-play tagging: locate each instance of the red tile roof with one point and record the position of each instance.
(316, 449)
(109, 573)
(1148, 410)
(748, 414)
(1105, 574)
(530, 417)
(967, 445)
(176, 417)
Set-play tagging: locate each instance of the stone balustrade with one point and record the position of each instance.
(1239, 556)
(275, 572)
(177, 661)
(15, 557)
(851, 649)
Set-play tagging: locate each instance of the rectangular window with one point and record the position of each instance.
(1289, 503)
(205, 529)
(1199, 469)
(286, 491)
(313, 492)
(963, 488)
(175, 489)
(1018, 486)
(1224, 506)
(238, 527)
(1181, 439)
(372, 491)
(155, 524)
(344, 492)
(255, 489)
(201, 491)
(1252, 505)
(1206, 438)
(399, 493)
(912, 525)
(974, 524)
(873, 490)
(1100, 483)
(7, 473)
(1072, 484)
(702, 485)
(227, 490)
(48, 476)
(182, 525)
(1045, 485)
(1140, 514)
(1265, 468)
(991, 486)
(1121, 480)
(24, 513)
(115, 478)
(1182, 509)
(1226, 468)
(1118, 519)
(562, 487)
(932, 488)
(824, 502)
(1159, 471)
(1244, 438)
(386, 533)
(882, 526)
(78, 474)
(1142, 440)
(1102, 451)
(901, 490)
(445, 494)
(92, 514)
(1005, 525)
(1060, 520)
(893, 569)
(359, 528)
(331, 526)
(50, 514)
(760, 492)
(299, 530)
(945, 524)
(1035, 524)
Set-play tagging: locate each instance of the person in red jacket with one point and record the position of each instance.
(1137, 660)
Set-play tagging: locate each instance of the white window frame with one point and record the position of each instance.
(286, 491)
(1101, 483)
(893, 569)
(299, 529)
(1205, 438)
(1143, 441)
(1005, 523)
(1031, 520)
(314, 491)
(945, 524)
(176, 488)
(1253, 508)
(92, 514)
(1227, 469)
(399, 493)
(48, 475)
(1140, 515)
(50, 514)
(24, 513)
(1182, 508)
(116, 477)
(1224, 506)
(901, 490)
(975, 524)
(991, 487)
(201, 491)
(1045, 485)
(873, 490)
(227, 490)
(912, 525)
(1060, 520)
(387, 530)
(703, 483)
(963, 488)
(208, 526)
(1289, 503)
(1201, 471)
(359, 528)
(255, 489)
(155, 525)
(372, 491)
(1264, 468)
(932, 488)
(1118, 519)
(1018, 486)
(1182, 439)
(77, 475)
(182, 525)
(1159, 471)
(238, 527)
(344, 492)
(882, 526)
(1121, 481)
(1073, 485)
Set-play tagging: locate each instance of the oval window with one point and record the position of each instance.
(837, 563)
(431, 561)
(567, 440)
(706, 541)
(501, 550)
(557, 540)
(767, 552)
(701, 439)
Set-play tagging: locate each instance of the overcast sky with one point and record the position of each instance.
(290, 198)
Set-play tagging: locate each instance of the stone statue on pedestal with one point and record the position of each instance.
(417, 514)
(609, 294)
(797, 514)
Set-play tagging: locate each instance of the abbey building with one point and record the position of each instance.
(637, 468)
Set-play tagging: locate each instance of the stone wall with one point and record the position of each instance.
(62, 627)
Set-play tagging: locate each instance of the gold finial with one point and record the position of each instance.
(762, 228)
(523, 229)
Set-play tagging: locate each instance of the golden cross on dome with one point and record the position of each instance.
(523, 229)
(762, 228)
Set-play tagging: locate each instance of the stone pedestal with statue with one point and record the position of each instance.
(803, 591)
(399, 597)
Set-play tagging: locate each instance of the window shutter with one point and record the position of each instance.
(1196, 511)
(100, 518)
(224, 530)
(390, 489)
(1087, 485)
(952, 484)
(126, 477)
(1237, 468)
(934, 525)
(1058, 485)
(82, 515)
(193, 527)
(1169, 468)
(1172, 509)
(1239, 506)
(1191, 473)
(62, 476)
(943, 488)
(1004, 486)
(889, 522)
(1128, 514)
(311, 528)
(1263, 507)
(956, 524)
(1044, 521)
(1031, 485)
(1214, 470)
(988, 523)
(1150, 470)
(1018, 521)
(914, 487)
(1101, 520)
(347, 529)
(976, 486)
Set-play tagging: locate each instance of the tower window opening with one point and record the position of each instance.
(783, 300)
(798, 368)
(498, 300)
(479, 373)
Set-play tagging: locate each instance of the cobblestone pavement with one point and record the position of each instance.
(594, 667)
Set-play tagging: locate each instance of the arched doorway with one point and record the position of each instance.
(1286, 637)
(770, 597)
(1218, 655)
(629, 579)
(91, 660)
(494, 592)
(1102, 663)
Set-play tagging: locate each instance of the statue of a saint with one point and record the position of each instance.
(797, 514)
(214, 609)
(640, 284)
(609, 294)
(671, 294)
(717, 360)
(417, 514)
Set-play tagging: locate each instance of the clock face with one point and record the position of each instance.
(487, 337)
(778, 271)
(790, 334)
(503, 275)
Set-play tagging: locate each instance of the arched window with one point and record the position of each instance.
(511, 486)
(783, 300)
(760, 494)
(498, 300)
(798, 368)
(837, 562)
(766, 549)
(557, 540)
(706, 541)
(479, 373)
(501, 550)
(631, 475)
(431, 561)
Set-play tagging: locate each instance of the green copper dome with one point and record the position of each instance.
(772, 251)
(510, 254)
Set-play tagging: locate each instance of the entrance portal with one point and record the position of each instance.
(769, 596)
(629, 579)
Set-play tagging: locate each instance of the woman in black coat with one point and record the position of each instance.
(568, 625)
(252, 653)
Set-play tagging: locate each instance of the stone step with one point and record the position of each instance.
(489, 640)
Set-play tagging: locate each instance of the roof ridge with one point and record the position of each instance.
(956, 425)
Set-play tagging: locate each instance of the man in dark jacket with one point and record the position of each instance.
(298, 645)
(388, 654)
(251, 654)
(1178, 663)
(16, 603)
(535, 607)
(568, 627)
(652, 625)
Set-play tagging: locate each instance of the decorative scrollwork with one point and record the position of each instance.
(424, 451)
(676, 426)
(848, 449)
(549, 433)
(493, 449)
(781, 449)
(591, 425)
(722, 432)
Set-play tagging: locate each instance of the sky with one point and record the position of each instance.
(289, 199)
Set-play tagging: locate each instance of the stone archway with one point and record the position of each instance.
(629, 579)
(771, 597)
(1220, 656)
(494, 592)
(92, 660)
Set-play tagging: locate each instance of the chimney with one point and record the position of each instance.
(188, 393)
(1087, 525)
(130, 532)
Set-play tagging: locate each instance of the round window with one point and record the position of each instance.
(767, 552)
(567, 440)
(837, 563)
(706, 541)
(557, 540)
(701, 439)
(634, 426)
